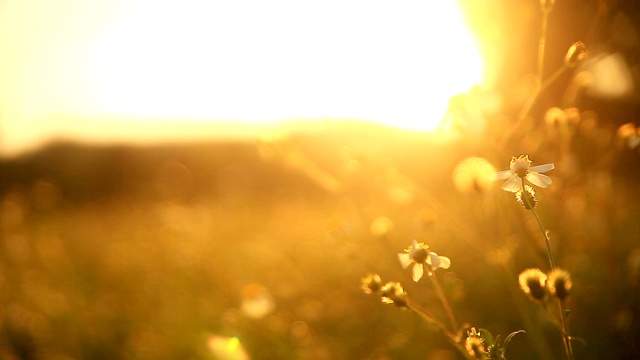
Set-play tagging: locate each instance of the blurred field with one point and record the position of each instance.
(156, 252)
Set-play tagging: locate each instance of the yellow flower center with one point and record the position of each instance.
(520, 165)
(420, 255)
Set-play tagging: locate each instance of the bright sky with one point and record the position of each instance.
(74, 67)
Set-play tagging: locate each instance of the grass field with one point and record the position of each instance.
(164, 252)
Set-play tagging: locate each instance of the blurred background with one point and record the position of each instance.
(211, 180)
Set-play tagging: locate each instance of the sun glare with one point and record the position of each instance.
(263, 62)
(93, 70)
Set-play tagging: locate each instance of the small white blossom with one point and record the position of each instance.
(520, 168)
(420, 257)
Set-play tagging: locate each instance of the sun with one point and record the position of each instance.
(264, 62)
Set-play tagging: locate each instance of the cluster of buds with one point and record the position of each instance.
(538, 285)
(390, 293)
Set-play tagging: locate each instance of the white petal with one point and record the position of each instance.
(542, 168)
(514, 184)
(418, 271)
(501, 175)
(405, 260)
(538, 179)
(435, 261)
(414, 247)
(445, 262)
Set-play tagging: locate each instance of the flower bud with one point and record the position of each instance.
(371, 283)
(527, 197)
(474, 344)
(475, 347)
(392, 293)
(576, 53)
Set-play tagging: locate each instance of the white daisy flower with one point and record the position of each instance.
(520, 168)
(420, 257)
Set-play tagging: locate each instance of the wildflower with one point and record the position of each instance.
(474, 344)
(559, 283)
(371, 283)
(393, 293)
(419, 256)
(520, 168)
(475, 347)
(527, 197)
(532, 282)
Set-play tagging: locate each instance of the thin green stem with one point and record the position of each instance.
(445, 302)
(565, 330)
(526, 107)
(541, 46)
(544, 232)
(540, 85)
(562, 327)
(428, 317)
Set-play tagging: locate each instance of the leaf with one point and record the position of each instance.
(486, 335)
(508, 339)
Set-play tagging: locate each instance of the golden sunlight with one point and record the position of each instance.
(269, 61)
(75, 64)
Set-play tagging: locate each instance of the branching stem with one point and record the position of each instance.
(445, 302)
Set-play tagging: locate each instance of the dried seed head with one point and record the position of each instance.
(532, 282)
(371, 283)
(559, 283)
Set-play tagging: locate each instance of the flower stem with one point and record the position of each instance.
(541, 46)
(426, 315)
(540, 85)
(565, 330)
(563, 327)
(445, 302)
(544, 232)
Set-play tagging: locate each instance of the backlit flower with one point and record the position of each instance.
(559, 283)
(371, 283)
(393, 293)
(520, 168)
(474, 344)
(533, 283)
(420, 257)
